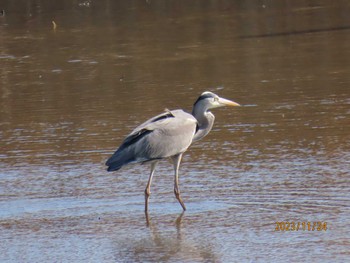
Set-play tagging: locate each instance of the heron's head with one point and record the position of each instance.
(210, 100)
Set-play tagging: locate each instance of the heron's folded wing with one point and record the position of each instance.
(134, 137)
(162, 136)
(145, 128)
(157, 119)
(167, 121)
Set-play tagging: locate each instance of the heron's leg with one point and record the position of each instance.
(177, 160)
(148, 187)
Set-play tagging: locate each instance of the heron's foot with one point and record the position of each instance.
(178, 197)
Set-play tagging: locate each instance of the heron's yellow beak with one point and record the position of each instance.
(225, 102)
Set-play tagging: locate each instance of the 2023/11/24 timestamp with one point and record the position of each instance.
(300, 226)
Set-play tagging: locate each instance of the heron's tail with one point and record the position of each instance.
(118, 159)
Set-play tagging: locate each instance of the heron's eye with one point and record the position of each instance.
(216, 99)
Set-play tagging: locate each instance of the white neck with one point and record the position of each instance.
(205, 121)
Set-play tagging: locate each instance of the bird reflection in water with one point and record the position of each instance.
(164, 245)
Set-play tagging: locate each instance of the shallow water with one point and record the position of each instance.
(69, 95)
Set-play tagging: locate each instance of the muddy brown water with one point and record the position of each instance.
(70, 94)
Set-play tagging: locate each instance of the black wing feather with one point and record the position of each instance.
(163, 116)
(135, 138)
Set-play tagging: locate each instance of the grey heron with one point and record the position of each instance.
(167, 135)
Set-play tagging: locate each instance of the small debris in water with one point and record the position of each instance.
(54, 25)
